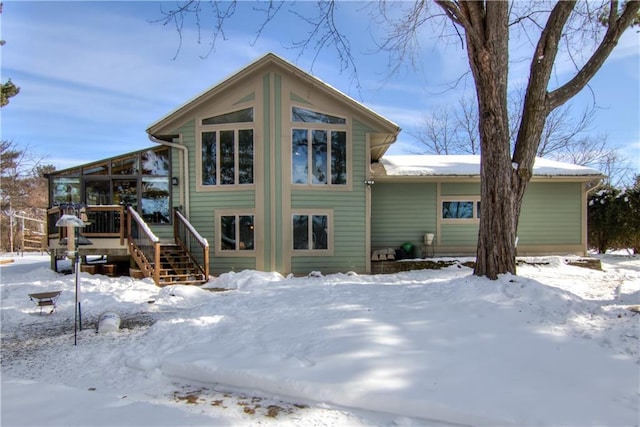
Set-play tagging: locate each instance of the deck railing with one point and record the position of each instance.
(196, 246)
(125, 224)
(144, 246)
(102, 221)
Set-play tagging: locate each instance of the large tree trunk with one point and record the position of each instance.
(487, 35)
(503, 180)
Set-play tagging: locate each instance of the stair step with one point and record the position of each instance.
(176, 267)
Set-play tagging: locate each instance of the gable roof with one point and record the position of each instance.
(468, 166)
(388, 129)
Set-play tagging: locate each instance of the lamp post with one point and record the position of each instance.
(72, 222)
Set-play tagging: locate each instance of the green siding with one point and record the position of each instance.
(402, 213)
(459, 234)
(460, 189)
(349, 216)
(551, 214)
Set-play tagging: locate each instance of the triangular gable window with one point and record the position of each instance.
(240, 116)
(307, 116)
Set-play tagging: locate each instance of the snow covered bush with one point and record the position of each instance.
(614, 219)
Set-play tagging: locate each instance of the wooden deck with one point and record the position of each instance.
(118, 232)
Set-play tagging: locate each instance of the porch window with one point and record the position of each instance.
(139, 180)
(125, 192)
(154, 200)
(96, 169)
(319, 149)
(125, 166)
(97, 192)
(310, 232)
(66, 190)
(155, 162)
(236, 232)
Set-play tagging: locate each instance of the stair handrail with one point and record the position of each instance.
(142, 241)
(185, 234)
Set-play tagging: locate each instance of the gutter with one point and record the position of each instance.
(185, 168)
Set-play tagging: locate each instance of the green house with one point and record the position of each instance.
(277, 171)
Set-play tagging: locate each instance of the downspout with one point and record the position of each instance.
(185, 167)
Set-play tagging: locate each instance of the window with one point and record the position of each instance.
(318, 155)
(96, 169)
(65, 190)
(310, 232)
(154, 200)
(97, 192)
(307, 116)
(125, 192)
(457, 210)
(140, 180)
(461, 209)
(155, 162)
(240, 116)
(236, 232)
(227, 155)
(125, 166)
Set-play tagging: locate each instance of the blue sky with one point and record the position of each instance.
(94, 75)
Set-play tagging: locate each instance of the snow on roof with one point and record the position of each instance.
(469, 165)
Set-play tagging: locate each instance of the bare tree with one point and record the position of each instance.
(484, 29)
(566, 138)
(449, 130)
(438, 133)
(23, 188)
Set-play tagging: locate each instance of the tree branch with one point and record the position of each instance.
(535, 109)
(615, 28)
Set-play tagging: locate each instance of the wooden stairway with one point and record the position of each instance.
(169, 263)
(177, 267)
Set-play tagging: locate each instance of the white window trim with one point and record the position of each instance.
(330, 233)
(218, 232)
(474, 199)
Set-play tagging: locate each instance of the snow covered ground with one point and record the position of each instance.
(555, 345)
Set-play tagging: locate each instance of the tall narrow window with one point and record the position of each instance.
(209, 150)
(299, 156)
(338, 157)
(245, 156)
(227, 157)
(319, 158)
